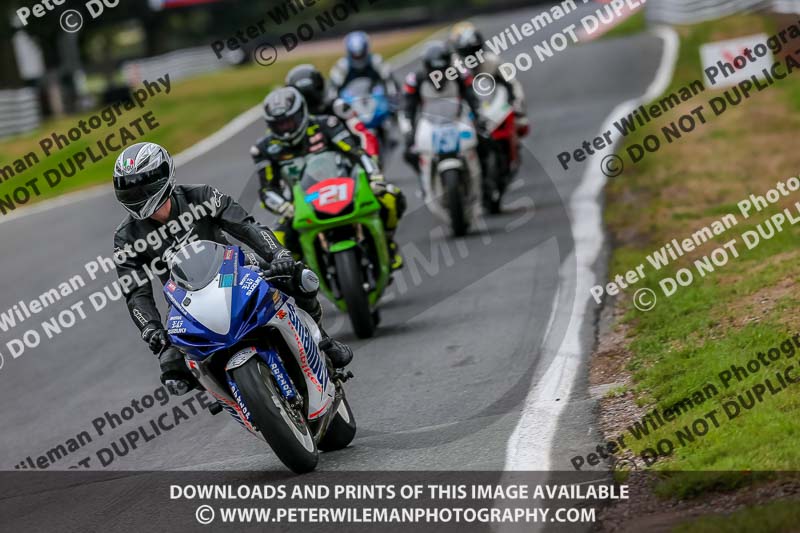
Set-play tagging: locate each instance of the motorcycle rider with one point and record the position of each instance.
(307, 79)
(420, 88)
(465, 41)
(294, 133)
(359, 62)
(144, 183)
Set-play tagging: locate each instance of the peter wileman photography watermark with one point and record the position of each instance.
(764, 366)
(544, 49)
(266, 53)
(65, 319)
(71, 20)
(108, 143)
(67, 454)
(645, 299)
(613, 165)
(396, 503)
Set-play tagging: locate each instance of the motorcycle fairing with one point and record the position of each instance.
(254, 303)
(219, 315)
(302, 340)
(331, 196)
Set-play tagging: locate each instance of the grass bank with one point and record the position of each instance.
(747, 305)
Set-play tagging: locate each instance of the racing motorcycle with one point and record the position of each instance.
(372, 105)
(450, 171)
(257, 353)
(341, 234)
(503, 157)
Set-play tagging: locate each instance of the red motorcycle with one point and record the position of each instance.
(503, 157)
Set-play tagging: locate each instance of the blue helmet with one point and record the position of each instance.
(357, 45)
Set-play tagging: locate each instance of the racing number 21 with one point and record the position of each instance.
(332, 194)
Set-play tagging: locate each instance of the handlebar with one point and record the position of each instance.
(306, 280)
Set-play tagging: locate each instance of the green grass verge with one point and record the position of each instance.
(725, 318)
(636, 23)
(194, 109)
(776, 517)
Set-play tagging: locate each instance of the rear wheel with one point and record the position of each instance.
(341, 430)
(285, 430)
(351, 283)
(454, 188)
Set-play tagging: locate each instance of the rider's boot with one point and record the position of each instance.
(395, 257)
(174, 373)
(338, 352)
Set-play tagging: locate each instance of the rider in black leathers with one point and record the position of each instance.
(307, 79)
(144, 184)
(420, 88)
(293, 133)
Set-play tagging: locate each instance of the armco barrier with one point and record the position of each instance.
(19, 111)
(694, 11)
(179, 64)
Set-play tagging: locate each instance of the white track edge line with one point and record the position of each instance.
(531, 444)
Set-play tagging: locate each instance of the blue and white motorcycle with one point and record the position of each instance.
(257, 353)
(450, 169)
(374, 107)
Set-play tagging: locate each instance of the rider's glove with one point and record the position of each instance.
(409, 154)
(378, 184)
(286, 209)
(409, 140)
(482, 126)
(283, 264)
(278, 204)
(155, 336)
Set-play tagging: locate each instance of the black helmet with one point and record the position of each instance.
(286, 114)
(309, 81)
(144, 178)
(468, 43)
(436, 57)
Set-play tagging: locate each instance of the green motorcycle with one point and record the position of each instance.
(341, 234)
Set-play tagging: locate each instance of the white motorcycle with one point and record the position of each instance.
(450, 171)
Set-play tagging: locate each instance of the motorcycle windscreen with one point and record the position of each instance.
(326, 185)
(331, 196)
(365, 98)
(196, 265)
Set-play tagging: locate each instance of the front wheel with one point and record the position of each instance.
(454, 190)
(341, 430)
(285, 430)
(351, 283)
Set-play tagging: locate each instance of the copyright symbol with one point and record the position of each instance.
(2, 361)
(265, 54)
(71, 21)
(484, 84)
(644, 300)
(625, 465)
(204, 514)
(612, 166)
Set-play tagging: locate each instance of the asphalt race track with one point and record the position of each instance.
(441, 387)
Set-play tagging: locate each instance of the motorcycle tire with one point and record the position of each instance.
(493, 186)
(342, 429)
(351, 284)
(454, 189)
(285, 430)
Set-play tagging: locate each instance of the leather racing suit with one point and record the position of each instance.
(283, 167)
(212, 213)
